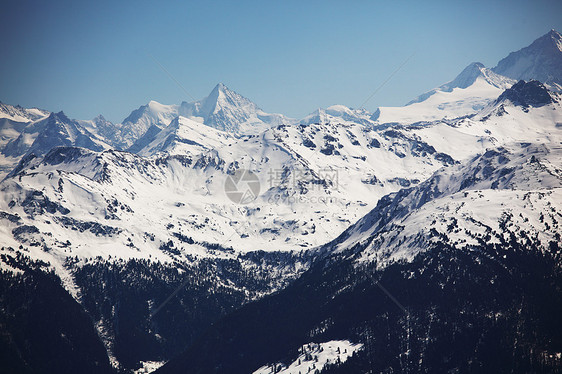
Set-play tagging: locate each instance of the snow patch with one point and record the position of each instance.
(314, 357)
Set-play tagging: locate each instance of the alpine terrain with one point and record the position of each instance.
(213, 237)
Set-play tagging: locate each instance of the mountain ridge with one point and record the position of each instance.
(541, 61)
(455, 216)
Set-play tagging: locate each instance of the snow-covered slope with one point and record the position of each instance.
(59, 130)
(338, 114)
(16, 133)
(314, 357)
(314, 180)
(542, 61)
(186, 137)
(223, 110)
(508, 193)
(38, 137)
(467, 78)
(19, 114)
(140, 120)
(474, 88)
(501, 122)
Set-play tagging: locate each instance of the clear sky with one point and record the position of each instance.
(290, 57)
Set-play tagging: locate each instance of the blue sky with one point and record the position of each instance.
(290, 57)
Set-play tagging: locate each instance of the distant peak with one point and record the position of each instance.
(548, 40)
(222, 95)
(541, 60)
(555, 34)
(220, 88)
(467, 76)
(175, 123)
(57, 117)
(476, 65)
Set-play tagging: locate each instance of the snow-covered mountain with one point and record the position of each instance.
(333, 204)
(463, 259)
(472, 73)
(474, 88)
(59, 130)
(512, 118)
(338, 114)
(150, 116)
(518, 183)
(100, 127)
(16, 134)
(184, 136)
(20, 114)
(223, 110)
(426, 257)
(229, 111)
(542, 61)
(40, 136)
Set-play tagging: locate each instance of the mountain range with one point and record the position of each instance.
(422, 238)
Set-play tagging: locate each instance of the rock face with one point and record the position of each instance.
(526, 94)
(542, 61)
